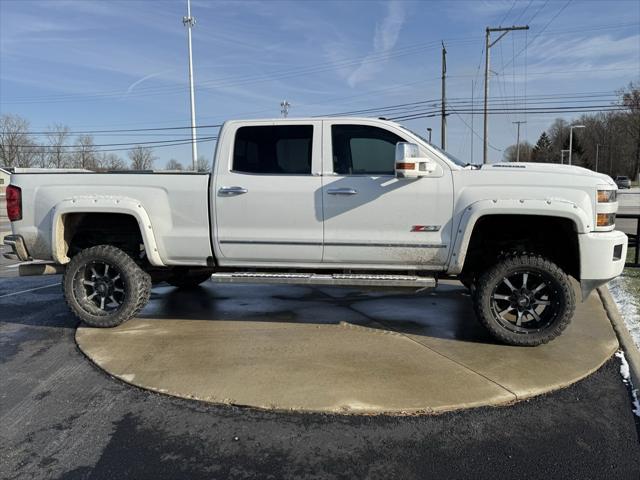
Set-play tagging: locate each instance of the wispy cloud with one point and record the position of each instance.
(144, 79)
(385, 38)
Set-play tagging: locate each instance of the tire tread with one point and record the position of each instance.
(141, 293)
(488, 280)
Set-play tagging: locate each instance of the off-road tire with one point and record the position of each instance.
(135, 283)
(561, 298)
(188, 280)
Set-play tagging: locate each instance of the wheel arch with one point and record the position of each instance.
(69, 215)
(551, 232)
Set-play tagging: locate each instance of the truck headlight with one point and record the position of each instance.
(607, 196)
(606, 219)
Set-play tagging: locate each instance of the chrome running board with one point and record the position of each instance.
(339, 279)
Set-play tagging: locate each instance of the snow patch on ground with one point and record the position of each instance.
(628, 306)
(626, 379)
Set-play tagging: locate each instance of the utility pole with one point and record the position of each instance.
(487, 47)
(472, 115)
(429, 132)
(443, 127)
(518, 141)
(189, 22)
(284, 108)
(597, 154)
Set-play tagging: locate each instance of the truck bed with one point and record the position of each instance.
(177, 204)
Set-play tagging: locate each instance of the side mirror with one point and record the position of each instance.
(409, 163)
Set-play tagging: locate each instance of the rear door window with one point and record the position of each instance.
(273, 150)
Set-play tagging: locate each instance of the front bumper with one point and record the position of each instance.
(18, 248)
(602, 258)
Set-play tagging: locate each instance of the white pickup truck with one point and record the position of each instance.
(329, 201)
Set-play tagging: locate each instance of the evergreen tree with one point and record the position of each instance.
(543, 151)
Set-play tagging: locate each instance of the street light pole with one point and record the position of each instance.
(571, 140)
(189, 22)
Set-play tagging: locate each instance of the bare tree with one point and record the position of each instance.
(16, 147)
(173, 164)
(111, 161)
(57, 137)
(202, 164)
(631, 100)
(511, 152)
(41, 156)
(142, 158)
(85, 155)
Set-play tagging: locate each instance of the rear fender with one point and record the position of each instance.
(102, 204)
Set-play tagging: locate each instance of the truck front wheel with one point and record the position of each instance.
(104, 287)
(524, 300)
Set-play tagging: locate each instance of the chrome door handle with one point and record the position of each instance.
(342, 191)
(231, 191)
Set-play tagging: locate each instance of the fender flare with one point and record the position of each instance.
(102, 204)
(472, 213)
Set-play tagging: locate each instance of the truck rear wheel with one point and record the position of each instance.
(524, 300)
(104, 287)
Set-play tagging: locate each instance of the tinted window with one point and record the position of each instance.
(363, 150)
(273, 149)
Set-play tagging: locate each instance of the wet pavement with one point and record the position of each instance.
(62, 417)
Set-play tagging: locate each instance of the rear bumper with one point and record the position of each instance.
(602, 258)
(18, 248)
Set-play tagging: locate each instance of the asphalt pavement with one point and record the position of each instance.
(62, 417)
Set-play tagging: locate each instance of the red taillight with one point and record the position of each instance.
(14, 203)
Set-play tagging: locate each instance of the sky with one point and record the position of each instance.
(114, 64)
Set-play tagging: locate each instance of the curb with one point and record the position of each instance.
(624, 337)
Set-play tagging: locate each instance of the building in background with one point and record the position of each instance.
(5, 175)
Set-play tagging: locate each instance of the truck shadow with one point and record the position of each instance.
(446, 315)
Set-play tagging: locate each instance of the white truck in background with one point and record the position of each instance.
(329, 201)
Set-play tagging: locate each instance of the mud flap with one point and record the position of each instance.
(588, 286)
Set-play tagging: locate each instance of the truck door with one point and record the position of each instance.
(370, 216)
(266, 195)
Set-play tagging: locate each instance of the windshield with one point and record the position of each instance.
(455, 160)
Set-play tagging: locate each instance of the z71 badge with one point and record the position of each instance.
(425, 228)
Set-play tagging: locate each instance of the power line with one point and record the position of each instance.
(129, 130)
(507, 14)
(544, 110)
(538, 11)
(577, 97)
(542, 31)
(98, 150)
